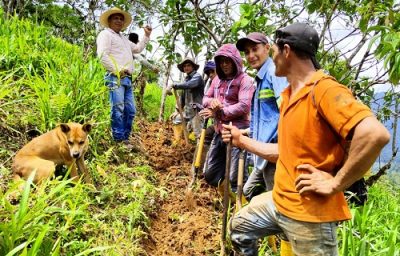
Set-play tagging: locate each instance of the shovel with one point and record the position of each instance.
(178, 103)
(226, 197)
(189, 198)
(198, 154)
(240, 180)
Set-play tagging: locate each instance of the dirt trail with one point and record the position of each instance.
(176, 228)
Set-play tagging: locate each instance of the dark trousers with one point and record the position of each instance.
(216, 162)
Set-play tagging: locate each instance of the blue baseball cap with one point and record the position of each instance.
(210, 65)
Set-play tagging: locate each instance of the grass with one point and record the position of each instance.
(152, 99)
(63, 218)
(46, 81)
(374, 227)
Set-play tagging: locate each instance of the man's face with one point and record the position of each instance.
(211, 74)
(256, 54)
(227, 66)
(116, 22)
(279, 60)
(187, 68)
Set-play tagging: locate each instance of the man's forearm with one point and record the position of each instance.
(268, 151)
(370, 136)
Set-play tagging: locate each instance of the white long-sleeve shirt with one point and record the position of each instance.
(115, 50)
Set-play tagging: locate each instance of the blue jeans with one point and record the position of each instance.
(260, 218)
(122, 106)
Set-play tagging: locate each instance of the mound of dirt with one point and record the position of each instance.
(185, 223)
(157, 142)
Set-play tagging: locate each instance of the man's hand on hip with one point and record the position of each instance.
(316, 181)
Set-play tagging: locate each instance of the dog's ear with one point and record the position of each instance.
(65, 128)
(87, 128)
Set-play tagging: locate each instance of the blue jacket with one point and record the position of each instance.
(265, 109)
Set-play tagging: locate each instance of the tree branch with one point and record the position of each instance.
(374, 178)
(328, 22)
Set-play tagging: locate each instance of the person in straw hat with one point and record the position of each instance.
(115, 53)
(192, 95)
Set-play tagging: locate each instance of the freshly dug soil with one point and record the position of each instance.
(186, 223)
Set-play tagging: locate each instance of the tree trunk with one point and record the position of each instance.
(395, 120)
(164, 93)
(141, 84)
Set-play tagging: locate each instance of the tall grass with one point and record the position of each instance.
(374, 228)
(64, 218)
(44, 221)
(46, 81)
(152, 101)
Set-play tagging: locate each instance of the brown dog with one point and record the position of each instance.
(64, 145)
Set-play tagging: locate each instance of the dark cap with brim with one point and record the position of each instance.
(188, 60)
(300, 36)
(255, 37)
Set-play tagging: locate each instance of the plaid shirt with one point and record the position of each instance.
(235, 95)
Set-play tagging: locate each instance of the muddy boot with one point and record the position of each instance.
(286, 248)
(178, 134)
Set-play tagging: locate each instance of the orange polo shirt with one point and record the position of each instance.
(306, 138)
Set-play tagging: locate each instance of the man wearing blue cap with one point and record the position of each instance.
(209, 71)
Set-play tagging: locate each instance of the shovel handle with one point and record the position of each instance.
(226, 193)
(201, 144)
(240, 180)
(180, 110)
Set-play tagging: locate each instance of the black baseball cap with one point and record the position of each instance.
(300, 36)
(255, 37)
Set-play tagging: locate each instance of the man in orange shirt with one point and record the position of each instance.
(326, 139)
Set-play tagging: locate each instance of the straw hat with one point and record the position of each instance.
(105, 15)
(188, 60)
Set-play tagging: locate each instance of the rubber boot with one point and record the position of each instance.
(178, 134)
(244, 200)
(192, 136)
(286, 248)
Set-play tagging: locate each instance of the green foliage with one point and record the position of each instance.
(374, 228)
(152, 99)
(63, 218)
(46, 221)
(61, 19)
(52, 81)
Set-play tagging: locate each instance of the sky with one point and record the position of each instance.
(338, 28)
